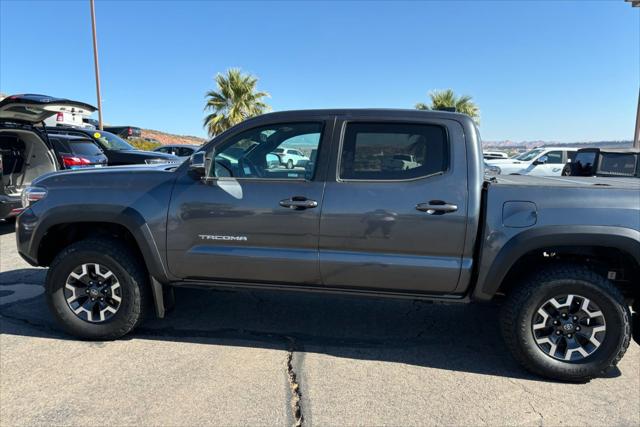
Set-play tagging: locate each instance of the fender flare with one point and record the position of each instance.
(489, 280)
(127, 217)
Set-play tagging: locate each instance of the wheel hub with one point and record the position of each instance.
(568, 327)
(93, 293)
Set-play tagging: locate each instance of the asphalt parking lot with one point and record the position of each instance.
(262, 358)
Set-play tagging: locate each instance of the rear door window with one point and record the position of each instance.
(393, 151)
(83, 147)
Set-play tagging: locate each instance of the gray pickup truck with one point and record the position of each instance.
(562, 255)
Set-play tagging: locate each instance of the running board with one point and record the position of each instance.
(441, 298)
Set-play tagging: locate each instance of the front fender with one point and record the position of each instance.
(33, 225)
(498, 257)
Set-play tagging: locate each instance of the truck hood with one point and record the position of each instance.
(505, 162)
(152, 155)
(100, 173)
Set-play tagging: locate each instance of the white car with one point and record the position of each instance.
(74, 117)
(401, 162)
(291, 157)
(490, 155)
(543, 161)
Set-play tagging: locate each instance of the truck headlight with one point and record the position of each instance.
(30, 195)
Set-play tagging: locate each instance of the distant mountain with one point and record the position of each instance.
(524, 145)
(165, 138)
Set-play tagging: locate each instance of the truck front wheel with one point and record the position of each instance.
(567, 323)
(97, 289)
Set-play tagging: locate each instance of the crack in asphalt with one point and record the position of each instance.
(295, 400)
(296, 395)
(525, 389)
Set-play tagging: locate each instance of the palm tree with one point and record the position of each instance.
(235, 100)
(441, 99)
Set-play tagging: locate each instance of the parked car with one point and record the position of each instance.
(543, 161)
(491, 155)
(72, 116)
(90, 123)
(491, 170)
(75, 152)
(291, 157)
(124, 131)
(401, 162)
(181, 150)
(25, 151)
(610, 162)
(565, 269)
(118, 151)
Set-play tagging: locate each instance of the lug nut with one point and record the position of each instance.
(575, 318)
(564, 315)
(558, 333)
(555, 322)
(577, 328)
(570, 335)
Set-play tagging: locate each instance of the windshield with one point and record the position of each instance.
(111, 141)
(530, 155)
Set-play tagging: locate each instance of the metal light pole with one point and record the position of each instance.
(95, 61)
(636, 136)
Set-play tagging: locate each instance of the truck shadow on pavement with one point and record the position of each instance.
(452, 337)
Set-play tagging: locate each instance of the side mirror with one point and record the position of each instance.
(197, 164)
(541, 160)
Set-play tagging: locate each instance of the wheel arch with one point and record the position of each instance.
(599, 245)
(58, 231)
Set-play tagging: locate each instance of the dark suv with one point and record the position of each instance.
(75, 152)
(27, 153)
(124, 131)
(117, 150)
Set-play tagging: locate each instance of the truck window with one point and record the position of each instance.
(392, 151)
(554, 157)
(263, 153)
(617, 164)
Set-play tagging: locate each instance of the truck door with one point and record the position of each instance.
(395, 209)
(553, 164)
(252, 218)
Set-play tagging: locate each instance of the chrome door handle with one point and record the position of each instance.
(298, 203)
(436, 207)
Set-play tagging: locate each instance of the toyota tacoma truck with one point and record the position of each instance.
(561, 255)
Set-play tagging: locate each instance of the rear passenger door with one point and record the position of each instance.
(392, 224)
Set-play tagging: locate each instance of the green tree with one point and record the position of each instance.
(441, 99)
(235, 100)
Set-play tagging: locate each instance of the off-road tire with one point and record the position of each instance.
(131, 274)
(525, 299)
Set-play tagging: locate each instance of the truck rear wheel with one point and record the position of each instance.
(97, 289)
(566, 323)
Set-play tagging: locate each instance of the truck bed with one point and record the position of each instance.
(567, 181)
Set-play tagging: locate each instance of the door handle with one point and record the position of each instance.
(298, 203)
(436, 207)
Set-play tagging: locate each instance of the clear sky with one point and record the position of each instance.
(547, 70)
